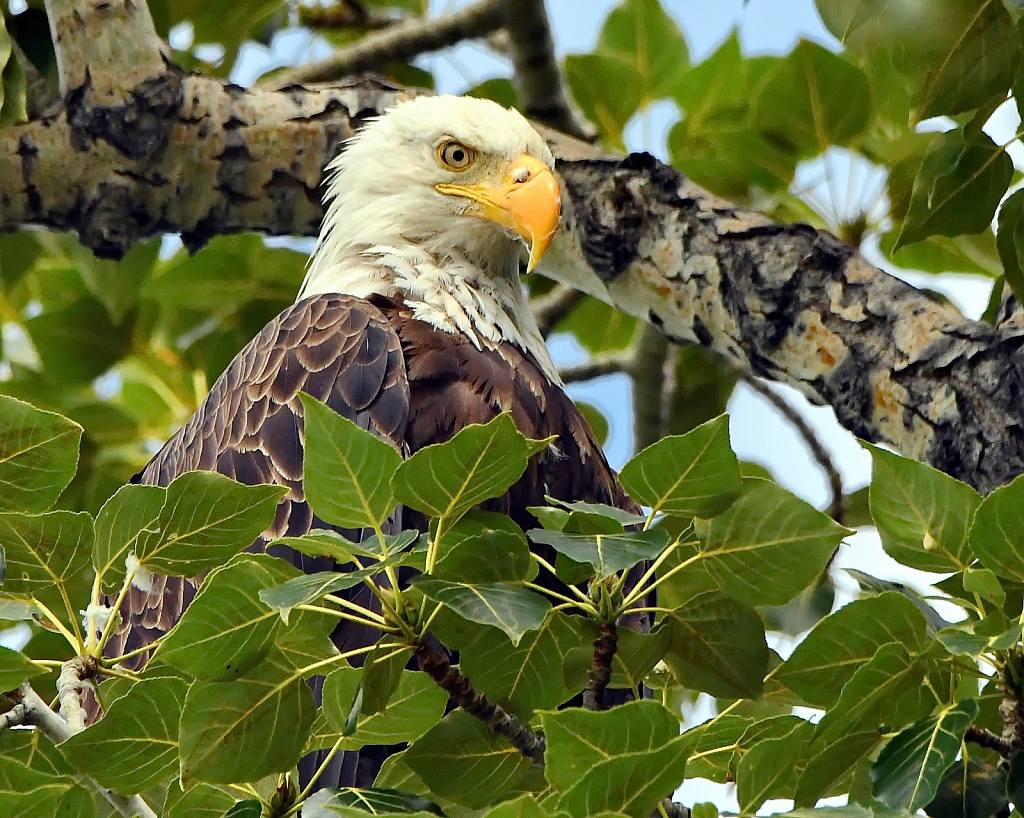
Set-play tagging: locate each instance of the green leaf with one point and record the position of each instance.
(717, 646)
(976, 254)
(691, 475)
(206, 519)
(15, 668)
(1010, 241)
(353, 802)
(247, 728)
(527, 676)
(636, 655)
(325, 543)
(484, 547)
(846, 640)
(923, 516)
(872, 696)
(38, 455)
(480, 462)
(974, 790)
(830, 763)
(307, 588)
(641, 34)
(135, 745)
(909, 769)
(511, 609)
(588, 75)
(957, 188)
(416, 705)
(227, 629)
(522, 807)
(813, 99)
(995, 532)
(250, 808)
(347, 470)
(769, 545)
(983, 582)
(632, 784)
(78, 342)
(717, 742)
(28, 793)
(45, 554)
(980, 65)
(577, 740)
(766, 769)
(201, 801)
(133, 512)
(621, 516)
(607, 553)
(462, 761)
(383, 670)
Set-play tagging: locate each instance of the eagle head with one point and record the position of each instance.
(452, 176)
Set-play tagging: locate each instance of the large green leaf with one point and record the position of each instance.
(484, 547)
(123, 519)
(768, 545)
(829, 764)
(922, 515)
(480, 462)
(813, 99)
(416, 704)
(206, 519)
(874, 694)
(135, 745)
(718, 646)
(957, 188)
(347, 470)
(846, 640)
(975, 789)
(79, 342)
(607, 553)
(28, 793)
(462, 761)
(38, 455)
(227, 629)
(15, 668)
(527, 676)
(247, 728)
(632, 784)
(909, 769)
(691, 475)
(512, 609)
(1010, 241)
(995, 534)
(45, 554)
(356, 803)
(577, 739)
(200, 801)
(587, 76)
(766, 769)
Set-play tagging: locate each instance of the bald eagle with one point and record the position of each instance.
(413, 323)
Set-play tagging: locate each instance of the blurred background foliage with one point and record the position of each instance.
(128, 349)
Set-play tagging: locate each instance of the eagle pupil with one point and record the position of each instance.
(458, 156)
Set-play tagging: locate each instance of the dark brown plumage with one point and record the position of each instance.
(407, 382)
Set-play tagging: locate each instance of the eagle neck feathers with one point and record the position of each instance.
(453, 295)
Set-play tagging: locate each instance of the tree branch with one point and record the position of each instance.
(39, 715)
(549, 309)
(596, 366)
(400, 42)
(538, 77)
(433, 660)
(785, 302)
(820, 454)
(600, 672)
(69, 690)
(647, 371)
(347, 14)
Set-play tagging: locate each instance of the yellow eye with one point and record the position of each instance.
(456, 156)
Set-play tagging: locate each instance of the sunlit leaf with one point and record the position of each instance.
(38, 455)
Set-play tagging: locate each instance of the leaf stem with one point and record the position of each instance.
(51, 617)
(583, 604)
(551, 570)
(316, 776)
(640, 591)
(379, 624)
(115, 613)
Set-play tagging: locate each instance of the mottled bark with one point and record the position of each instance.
(190, 154)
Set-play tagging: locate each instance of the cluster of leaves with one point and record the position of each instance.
(223, 709)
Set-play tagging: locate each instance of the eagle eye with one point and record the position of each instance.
(455, 156)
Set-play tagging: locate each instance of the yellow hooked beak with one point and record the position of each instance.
(527, 201)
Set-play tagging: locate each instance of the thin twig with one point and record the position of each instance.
(538, 77)
(40, 716)
(597, 366)
(69, 690)
(984, 737)
(647, 372)
(549, 309)
(15, 717)
(600, 672)
(836, 509)
(434, 662)
(400, 42)
(345, 15)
